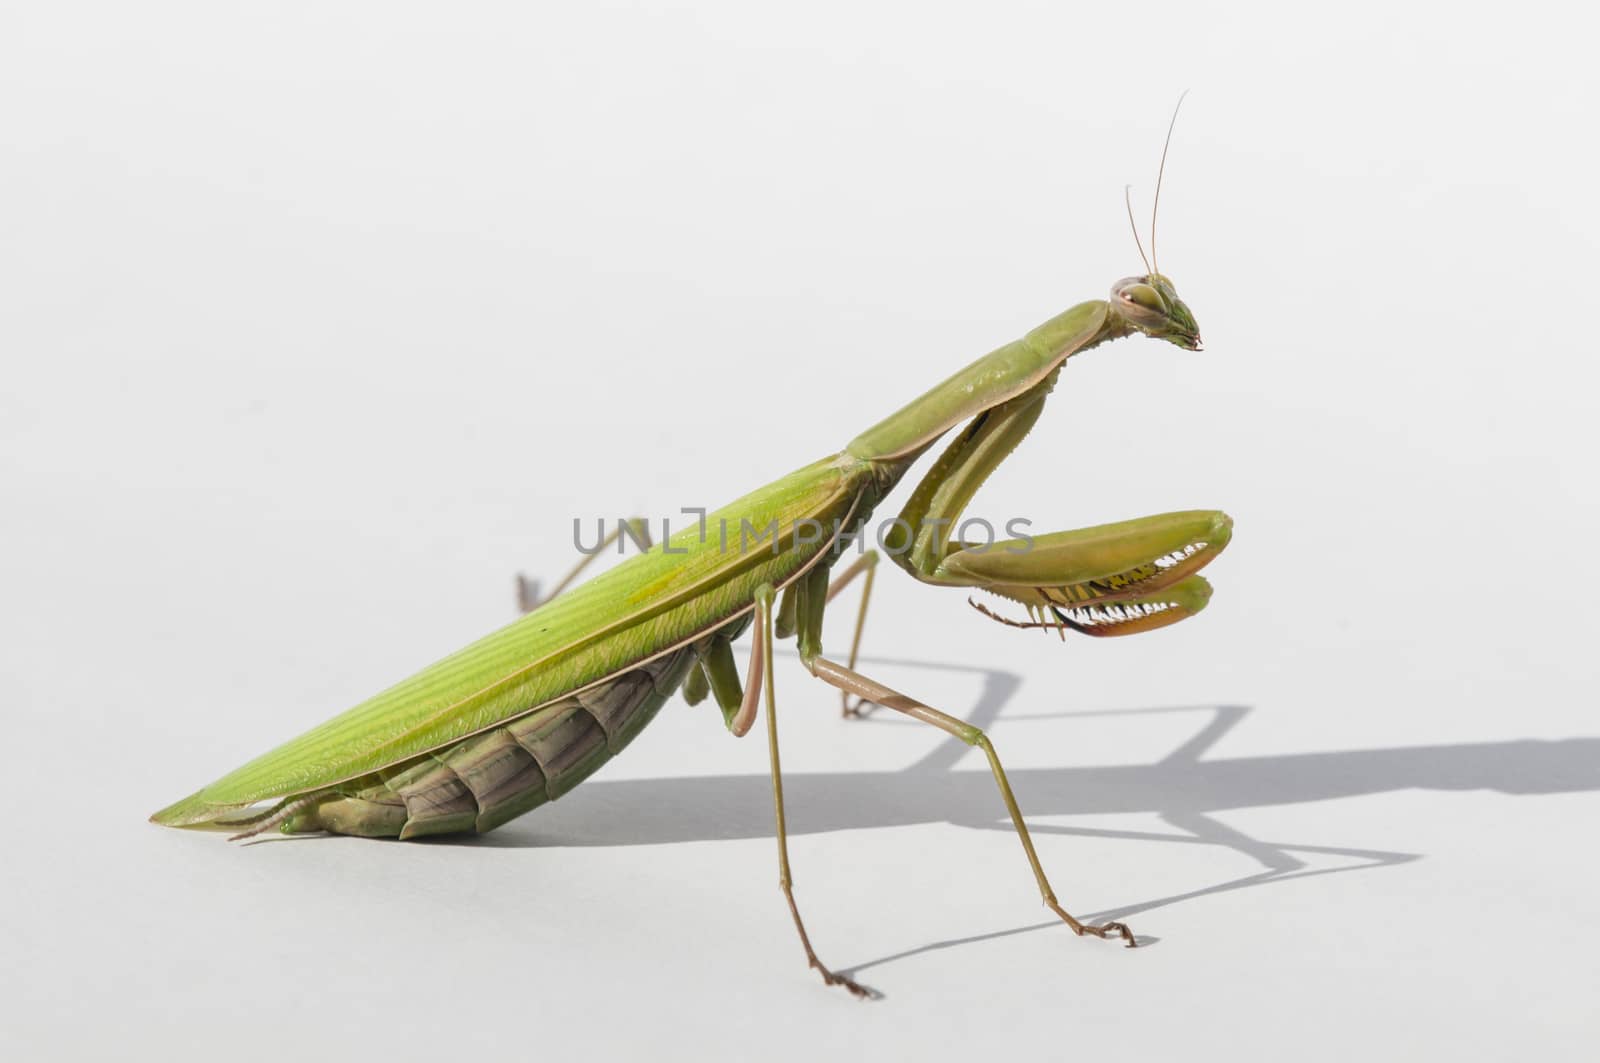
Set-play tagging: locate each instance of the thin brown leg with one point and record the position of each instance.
(848, 679)
(866, 564)
(528, 596)
(761, 673)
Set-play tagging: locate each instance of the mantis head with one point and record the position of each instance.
(1151, 305)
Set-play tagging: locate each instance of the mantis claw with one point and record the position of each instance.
(1115, 579)
(857, 990)
(1106, 931)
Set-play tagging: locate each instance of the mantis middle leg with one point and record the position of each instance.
(853, 682)
(1112, 579)
(811, 598)
(759, 682)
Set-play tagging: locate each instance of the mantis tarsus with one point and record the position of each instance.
(526, 713)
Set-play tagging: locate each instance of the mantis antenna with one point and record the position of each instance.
(1127, 197)
(1160, 173)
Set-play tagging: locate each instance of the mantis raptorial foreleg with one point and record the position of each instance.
(1113, 579)
(528, 596)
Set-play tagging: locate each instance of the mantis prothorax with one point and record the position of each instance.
(525, 714)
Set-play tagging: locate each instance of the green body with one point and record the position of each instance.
(568, 685)
(643, 608)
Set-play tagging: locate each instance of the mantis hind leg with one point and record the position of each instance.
(529, 597)
(853, 682)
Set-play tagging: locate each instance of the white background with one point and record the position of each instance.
(319, 321)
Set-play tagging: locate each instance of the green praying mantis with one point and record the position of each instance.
(523, 715)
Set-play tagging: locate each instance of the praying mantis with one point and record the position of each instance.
(523, 715)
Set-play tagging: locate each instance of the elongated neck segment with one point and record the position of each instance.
(1000, 375)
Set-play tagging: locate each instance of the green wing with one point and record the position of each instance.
(640, 608)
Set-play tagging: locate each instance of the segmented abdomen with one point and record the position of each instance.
(497, 775)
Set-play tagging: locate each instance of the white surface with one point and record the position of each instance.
(320, 322)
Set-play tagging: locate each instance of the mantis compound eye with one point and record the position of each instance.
(1143, 296)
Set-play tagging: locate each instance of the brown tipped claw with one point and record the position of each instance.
(856, 989)
(1105, 930)
(1109, 931)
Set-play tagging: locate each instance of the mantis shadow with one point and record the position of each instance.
(1185, 789)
